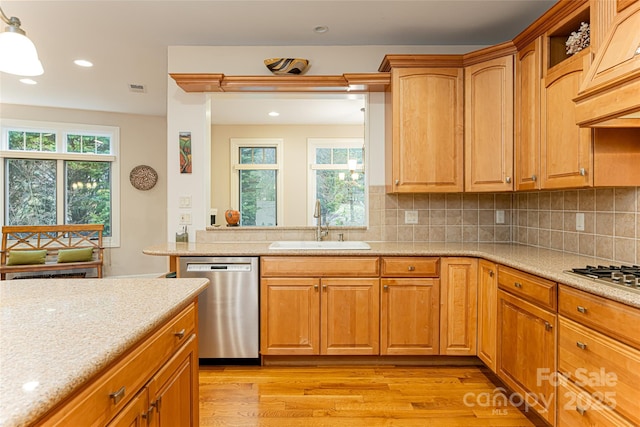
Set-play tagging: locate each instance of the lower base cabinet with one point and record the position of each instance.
(487, 312)
(527, 352)
(458, 306)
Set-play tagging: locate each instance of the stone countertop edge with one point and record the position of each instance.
(57, 334)
(547, 263)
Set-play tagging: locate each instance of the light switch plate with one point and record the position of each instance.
(185, 218)
(185, 202)
(499, 217)
(579, 221)
(410, 217)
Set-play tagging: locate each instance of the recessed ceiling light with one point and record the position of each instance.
(321, 29)
(28, 81)
(83, 63)
(274, 114)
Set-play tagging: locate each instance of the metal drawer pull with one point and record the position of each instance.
(533, 178)
(180, 334)
(412, 268)
(490, 273)
(315, 287)
(385, 287)
(518, 285)
(547, 326)
(582, 309)
(580, 410)
(581, 345)
(117, 395)
(583, 171)
(508, 180)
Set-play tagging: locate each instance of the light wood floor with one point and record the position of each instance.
(352, 396)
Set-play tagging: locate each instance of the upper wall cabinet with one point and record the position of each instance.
(527, 116)
(488, 142)
(566, 150)
(424, 126)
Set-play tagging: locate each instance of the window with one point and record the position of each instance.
(60, 173)
(337, 180)
(257, 180)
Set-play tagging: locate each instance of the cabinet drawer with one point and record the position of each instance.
(320, 266)
(609, 317)
(94, 406)
(410, 267)
(603, 366)
(576, 408)
(527, 286)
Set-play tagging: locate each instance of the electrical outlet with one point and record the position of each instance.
(185, 218)
(499, 217)
(185, 201)
(410, 217)
(579, 221)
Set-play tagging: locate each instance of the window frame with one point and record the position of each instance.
(236, 167)
(312, 144)
(60, 156)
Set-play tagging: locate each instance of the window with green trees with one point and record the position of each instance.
(56, 174)
(338, 181)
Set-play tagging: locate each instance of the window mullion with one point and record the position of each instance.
(61, 183)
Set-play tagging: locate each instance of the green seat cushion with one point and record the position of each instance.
(25, 257)
(75, 255)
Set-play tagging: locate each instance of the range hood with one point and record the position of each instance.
(610, 93)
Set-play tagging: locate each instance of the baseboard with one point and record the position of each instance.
(371, 360)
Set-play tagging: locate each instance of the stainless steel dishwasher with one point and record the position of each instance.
(228, 310)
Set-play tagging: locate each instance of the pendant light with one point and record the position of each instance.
(18, 54)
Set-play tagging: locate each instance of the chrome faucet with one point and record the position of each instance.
(317, 214)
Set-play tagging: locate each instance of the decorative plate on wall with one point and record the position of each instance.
(143, 177)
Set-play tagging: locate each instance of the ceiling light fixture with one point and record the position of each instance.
(321, 29)
(83, 63)
(18, 54)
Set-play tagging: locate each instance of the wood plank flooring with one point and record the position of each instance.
(353, 396)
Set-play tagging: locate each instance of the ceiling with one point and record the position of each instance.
(127, 40)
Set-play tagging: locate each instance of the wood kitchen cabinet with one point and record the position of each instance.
(598, 359)
(410, 306)
(487, 312)
(458, 306)
(526, 357)
(488, 112)
(155, 384)
(527, 115)
(309, 307)
(424, 121)
(566, 150)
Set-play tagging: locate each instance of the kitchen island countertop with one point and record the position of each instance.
(547, 263)
(56, 334)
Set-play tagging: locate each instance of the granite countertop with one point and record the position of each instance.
(545, 263)
(57, 334)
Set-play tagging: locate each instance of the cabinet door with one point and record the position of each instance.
(426, 152)
(488, 125)
(528, 74)
(173, 391)
(290, 316)
(350, 319)
(487, 312)
(410, 316)
(527, 352)
(134, 414)
(566, 149)
(458, 306)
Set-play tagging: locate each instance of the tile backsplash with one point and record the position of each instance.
(611, 230)
(544, 219)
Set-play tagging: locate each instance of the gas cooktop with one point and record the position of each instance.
(624, 276)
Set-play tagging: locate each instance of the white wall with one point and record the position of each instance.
(143, 216)
(191, 111)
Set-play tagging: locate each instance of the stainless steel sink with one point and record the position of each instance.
(322, 245)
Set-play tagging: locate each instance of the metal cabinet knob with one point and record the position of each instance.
(397, 181)
(534, 178)
(581, 345)
(580, 410)
(315, 287)
(490, 273)
(385, 287)
(518, 285)
(412, 268)
(180, 334)
(583, 171)
(508, 180)
(582, 309)
(548, 326)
